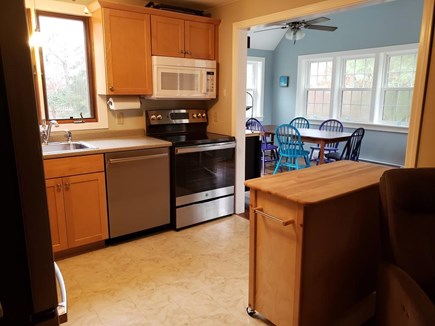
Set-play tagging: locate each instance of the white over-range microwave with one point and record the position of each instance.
(182, 78)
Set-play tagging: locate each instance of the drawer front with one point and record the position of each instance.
(59, 167)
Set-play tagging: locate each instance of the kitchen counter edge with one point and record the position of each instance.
(107, 145)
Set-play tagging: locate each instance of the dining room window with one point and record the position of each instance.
(356, 89)
(368, 86)
(255, 87)
(318, 88)
(65, 63)
(398, 87)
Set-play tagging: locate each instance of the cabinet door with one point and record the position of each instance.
(167, 36)
(85, 208)
(56, 212)
(199, 40)
(128, 52)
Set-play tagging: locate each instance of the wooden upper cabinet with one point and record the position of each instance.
(199, 40)
(167, 36)
(182, 38)
(127, 45)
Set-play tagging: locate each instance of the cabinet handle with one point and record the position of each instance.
(188, 52)
(182, 51)
(58, 187)
(259, 210)
(111, 88)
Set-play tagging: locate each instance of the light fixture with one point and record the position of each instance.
(294, 34)
(86, 10)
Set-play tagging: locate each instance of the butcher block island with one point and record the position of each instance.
(315, 244)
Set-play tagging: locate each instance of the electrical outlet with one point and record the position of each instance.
(119, 118)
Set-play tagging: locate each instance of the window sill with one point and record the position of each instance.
(367, 126)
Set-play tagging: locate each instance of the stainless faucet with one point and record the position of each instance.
(68, 136)
(45, 130)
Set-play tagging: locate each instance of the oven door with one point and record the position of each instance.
(204, 172)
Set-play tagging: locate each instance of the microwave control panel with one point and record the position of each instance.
(211, 78)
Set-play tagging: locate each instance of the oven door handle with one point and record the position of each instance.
(204, 148)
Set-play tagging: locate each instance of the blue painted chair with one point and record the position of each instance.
(300, 122)
(269, 151)
(290, 148)
(329, 125)
(352, 148)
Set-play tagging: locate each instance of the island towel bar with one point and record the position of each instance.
(259, 210)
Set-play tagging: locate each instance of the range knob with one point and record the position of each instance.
(194, 115)
(153, 117)
(159, 117)
(204, 115)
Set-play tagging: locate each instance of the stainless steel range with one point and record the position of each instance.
(202, 165)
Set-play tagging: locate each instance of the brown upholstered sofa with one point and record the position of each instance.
(406, 283)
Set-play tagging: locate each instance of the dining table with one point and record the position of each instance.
(321, 137)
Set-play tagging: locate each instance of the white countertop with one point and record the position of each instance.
(111, 144)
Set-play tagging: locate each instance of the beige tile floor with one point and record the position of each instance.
(196, 276)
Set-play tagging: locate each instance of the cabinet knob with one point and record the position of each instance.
(111, 88)
(58, 187)
(182, 51)
(67, 186)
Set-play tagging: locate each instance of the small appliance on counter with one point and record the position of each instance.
(202, 165)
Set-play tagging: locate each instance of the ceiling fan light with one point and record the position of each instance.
(294, 34)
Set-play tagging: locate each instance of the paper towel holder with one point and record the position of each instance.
(124, 103)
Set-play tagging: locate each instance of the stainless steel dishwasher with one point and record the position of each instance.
(138, 193)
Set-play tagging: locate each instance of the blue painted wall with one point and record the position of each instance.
(268, 82)
(387, 24)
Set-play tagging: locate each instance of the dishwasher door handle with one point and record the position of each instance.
(135, 158)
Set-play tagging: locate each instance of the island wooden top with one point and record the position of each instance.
(321, 182)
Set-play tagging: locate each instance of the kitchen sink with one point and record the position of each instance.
(66, 146)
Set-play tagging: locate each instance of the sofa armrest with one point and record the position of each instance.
(400, 300)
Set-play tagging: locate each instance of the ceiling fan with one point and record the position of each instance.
(295, 32)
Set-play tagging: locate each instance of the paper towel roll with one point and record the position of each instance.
(124, 103)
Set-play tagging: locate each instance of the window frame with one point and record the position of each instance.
(307, 87)
(258, 91)
(379, 79)
(89, 66)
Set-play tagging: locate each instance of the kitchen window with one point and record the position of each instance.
(255, 87)
(65, 63)
(369, 86)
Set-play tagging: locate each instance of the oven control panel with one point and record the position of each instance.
(176, 116)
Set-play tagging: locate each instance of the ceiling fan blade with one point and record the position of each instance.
(322, 28)
(270, 29)
(316, 20)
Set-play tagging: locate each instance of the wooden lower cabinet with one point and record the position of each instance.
(315, 244)
(76, 199)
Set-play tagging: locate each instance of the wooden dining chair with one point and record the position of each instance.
(290, 148)
(300, 122)
(351, 150)
(269, 151)
(328, 125)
